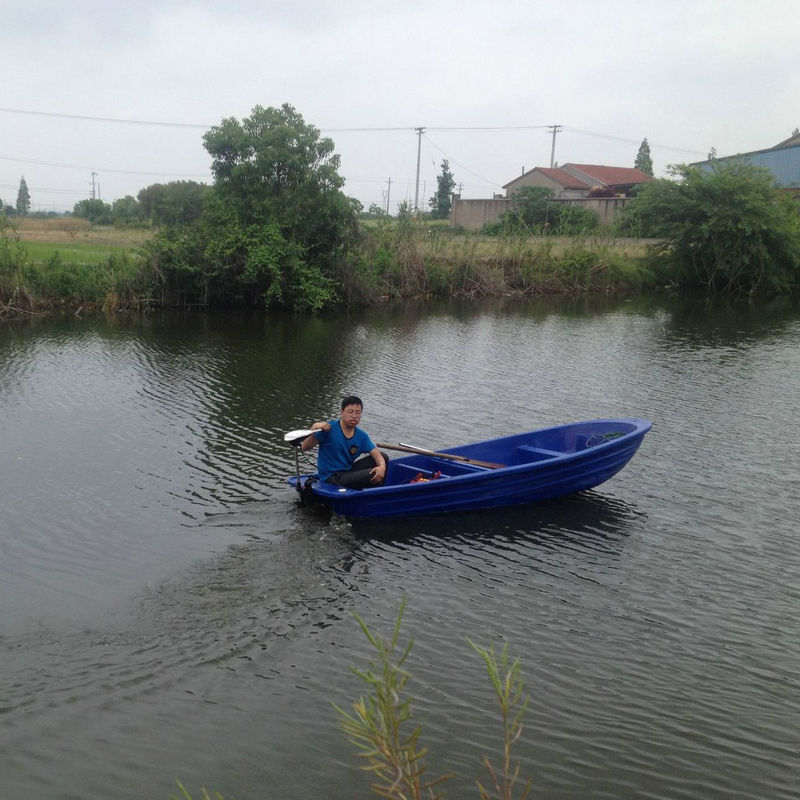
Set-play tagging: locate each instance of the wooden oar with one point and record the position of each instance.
(407, 448)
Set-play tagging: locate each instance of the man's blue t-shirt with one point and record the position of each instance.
(336, 452)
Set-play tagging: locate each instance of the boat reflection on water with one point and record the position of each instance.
(589, 521)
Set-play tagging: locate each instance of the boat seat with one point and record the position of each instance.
(527, 454)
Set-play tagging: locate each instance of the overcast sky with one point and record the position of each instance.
(126, 90)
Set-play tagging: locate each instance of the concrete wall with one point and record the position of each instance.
(472, 215)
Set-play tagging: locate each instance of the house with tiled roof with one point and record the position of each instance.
(603, 190)
(580, 180)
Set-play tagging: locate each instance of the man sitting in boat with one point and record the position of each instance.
(347, 456)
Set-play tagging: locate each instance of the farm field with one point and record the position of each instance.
(75, 240)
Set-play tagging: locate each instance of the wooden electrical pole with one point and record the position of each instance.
(554, 129)
(419, 131)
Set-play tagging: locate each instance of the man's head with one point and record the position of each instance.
(351, 411)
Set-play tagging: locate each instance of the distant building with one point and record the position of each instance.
(581, 180)
(602, 189)
(782, 160)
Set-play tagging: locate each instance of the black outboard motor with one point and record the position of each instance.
(295, 439)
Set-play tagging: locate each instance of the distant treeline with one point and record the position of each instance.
(276, 230)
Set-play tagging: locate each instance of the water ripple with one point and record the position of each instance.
(168, 610)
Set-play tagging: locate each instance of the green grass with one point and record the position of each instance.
(76, 252)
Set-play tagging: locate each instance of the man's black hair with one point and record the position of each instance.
(351, 400)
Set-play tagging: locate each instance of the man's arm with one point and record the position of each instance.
(378, 472)
(312, 441)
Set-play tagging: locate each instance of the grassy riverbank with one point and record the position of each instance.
(46, 264)
(68, 263)
(406, 259)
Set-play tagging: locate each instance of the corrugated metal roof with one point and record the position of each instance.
(782, 161)
(790, 142)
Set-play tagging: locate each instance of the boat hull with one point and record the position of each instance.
(539, 465)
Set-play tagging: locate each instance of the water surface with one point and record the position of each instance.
(168, 612)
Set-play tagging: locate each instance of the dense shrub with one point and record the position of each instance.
(534, 211)
(728, 229)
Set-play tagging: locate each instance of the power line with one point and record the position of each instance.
(419, 131)
(461, 166)
(84, 168)
(362, 129)
(204, 126)
(633, 141)
(88, 118)
(42, 189)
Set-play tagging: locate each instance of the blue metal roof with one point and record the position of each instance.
(782, 162)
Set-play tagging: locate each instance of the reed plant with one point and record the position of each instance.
(204, 795)
(380, 723)
(381, 728)
(506, 679)
(14, 296)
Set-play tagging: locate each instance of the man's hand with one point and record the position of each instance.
(377, 474)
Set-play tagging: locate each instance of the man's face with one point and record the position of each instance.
(351, 415)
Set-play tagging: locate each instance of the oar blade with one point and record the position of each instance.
(293, 436)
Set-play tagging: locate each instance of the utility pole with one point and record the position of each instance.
(388, 194)
(94, 175)
(419, 131)
(554, 129)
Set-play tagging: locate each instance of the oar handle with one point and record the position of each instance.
(407, 448)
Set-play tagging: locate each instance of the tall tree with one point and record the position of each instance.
(126, 211)
(275, 225)
(440, 203)
(96, 211)
(23, 198)
(274, 166)
(174, 203)
(644, 161)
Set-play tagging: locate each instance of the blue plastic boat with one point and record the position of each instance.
(511, 470)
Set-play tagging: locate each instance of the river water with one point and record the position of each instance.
(169, 613)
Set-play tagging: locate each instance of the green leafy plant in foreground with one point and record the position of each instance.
(378, 723)
(184, 795)
(507, 681)
(377, 726)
